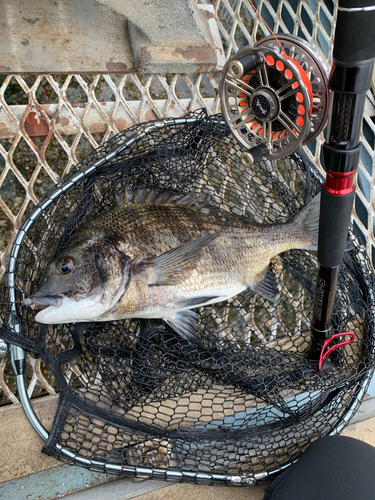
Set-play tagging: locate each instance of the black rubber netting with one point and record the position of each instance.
(242, 402)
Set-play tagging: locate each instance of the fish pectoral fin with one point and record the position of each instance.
(173, 266)
(196, 301)
(185, 323)
(267, 288)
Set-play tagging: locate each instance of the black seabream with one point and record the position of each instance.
(160, 255)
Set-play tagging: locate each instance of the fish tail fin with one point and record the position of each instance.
(308, 220)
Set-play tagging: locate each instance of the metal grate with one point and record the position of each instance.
(50, 122)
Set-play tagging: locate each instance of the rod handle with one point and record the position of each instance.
(355, 33)
(333, 227)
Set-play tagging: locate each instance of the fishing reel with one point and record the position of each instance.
(274, 97)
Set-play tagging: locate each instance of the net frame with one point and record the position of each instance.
(17, 354)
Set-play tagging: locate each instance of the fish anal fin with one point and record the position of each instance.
(185, 323)
(267, 287)
(173, 266)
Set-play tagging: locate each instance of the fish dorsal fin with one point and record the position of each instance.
(267, 288)
(155, 196)
(173, 266)
(185, 323)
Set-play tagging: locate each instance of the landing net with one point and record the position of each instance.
(240, 404)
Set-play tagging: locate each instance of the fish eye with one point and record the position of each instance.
(65, 265)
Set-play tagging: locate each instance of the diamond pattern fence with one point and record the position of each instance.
(48, 123)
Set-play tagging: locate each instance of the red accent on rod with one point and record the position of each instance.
(339, 183)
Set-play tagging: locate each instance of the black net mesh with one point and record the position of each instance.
(242, 402)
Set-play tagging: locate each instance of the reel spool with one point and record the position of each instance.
(274, 102)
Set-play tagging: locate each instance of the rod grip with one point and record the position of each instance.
(333, 227)
(355, 33)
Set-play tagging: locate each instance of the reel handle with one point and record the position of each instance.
(248, 158)
(240, 67)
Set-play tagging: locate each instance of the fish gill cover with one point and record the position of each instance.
(240, 399)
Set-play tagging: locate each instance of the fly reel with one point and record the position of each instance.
(274, 100)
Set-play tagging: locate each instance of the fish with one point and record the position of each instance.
(160, 255)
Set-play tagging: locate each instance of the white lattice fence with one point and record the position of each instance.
(49, 122)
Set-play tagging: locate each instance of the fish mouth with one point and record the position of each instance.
(71, 311)
(44, 301)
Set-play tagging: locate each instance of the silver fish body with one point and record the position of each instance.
(163, 256)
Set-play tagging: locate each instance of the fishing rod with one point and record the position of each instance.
(276, 98)
(350, 79)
